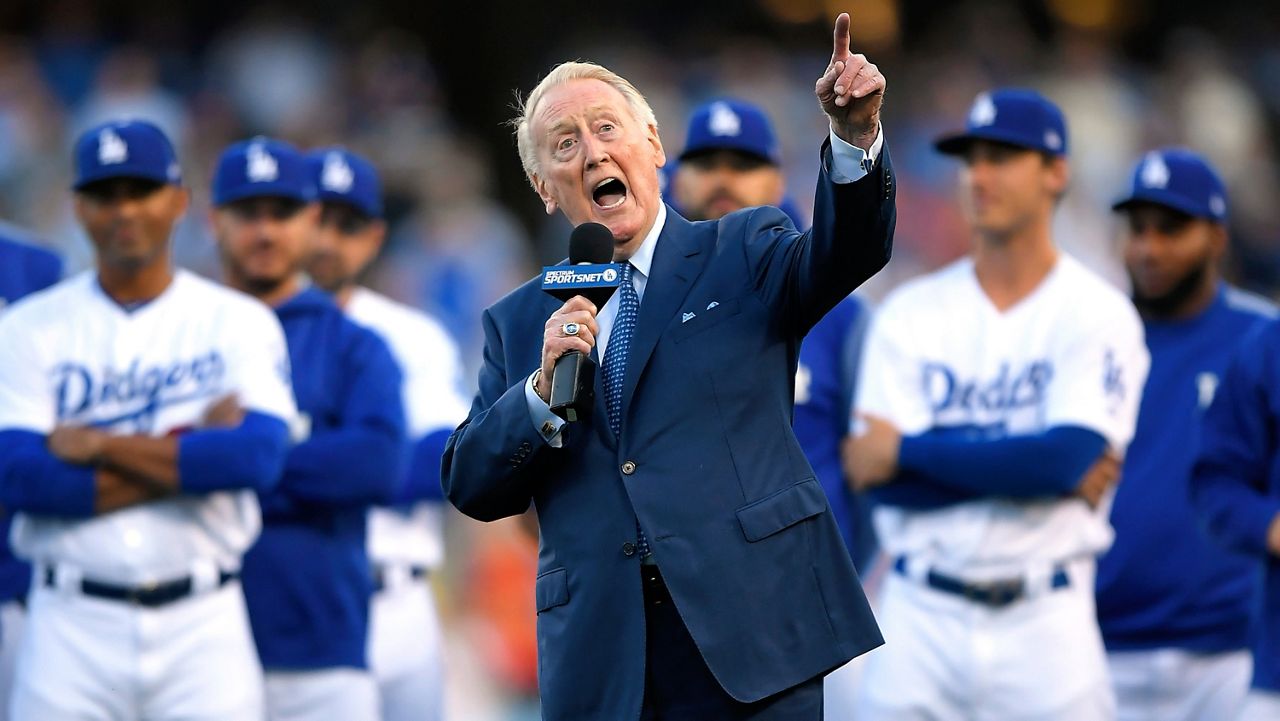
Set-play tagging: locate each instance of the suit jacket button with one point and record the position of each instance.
(525, 448)
(628, 549)
(628, 467)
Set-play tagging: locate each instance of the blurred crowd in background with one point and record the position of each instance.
(425, 91)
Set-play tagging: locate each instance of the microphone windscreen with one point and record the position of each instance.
(590, 243)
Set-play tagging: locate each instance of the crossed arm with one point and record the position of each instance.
(938, 469)
(82, 471)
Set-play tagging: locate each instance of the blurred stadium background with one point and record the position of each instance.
(424, 89)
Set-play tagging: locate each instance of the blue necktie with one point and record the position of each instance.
(615, 366)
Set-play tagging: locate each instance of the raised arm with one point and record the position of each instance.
(804, 275)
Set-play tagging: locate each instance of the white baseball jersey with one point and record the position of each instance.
(433, 401)
(940, 355)
(72, 356)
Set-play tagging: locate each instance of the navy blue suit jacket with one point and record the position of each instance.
(739, 525)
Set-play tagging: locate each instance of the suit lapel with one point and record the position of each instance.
(675, 266)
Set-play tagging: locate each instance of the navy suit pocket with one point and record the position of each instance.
(787, 507)
(551, 589)
(701, 320)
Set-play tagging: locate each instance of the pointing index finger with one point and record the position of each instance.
(841, 40)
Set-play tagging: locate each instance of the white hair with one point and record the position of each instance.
(560, 74)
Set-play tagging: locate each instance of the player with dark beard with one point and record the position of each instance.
(1173, 606)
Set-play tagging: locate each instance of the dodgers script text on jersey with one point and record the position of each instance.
(153, 370)
(1070, 354)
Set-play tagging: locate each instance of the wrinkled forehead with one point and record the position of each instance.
(565, 105)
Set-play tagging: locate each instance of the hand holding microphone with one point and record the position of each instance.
(567, 378)
(570, 329)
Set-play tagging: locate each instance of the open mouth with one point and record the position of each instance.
(609, 193)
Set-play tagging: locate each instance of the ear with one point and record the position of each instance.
(656, 142)
(1059, 176)
(181, 202)
(1219, 239)
(548, 202)
(378, 234)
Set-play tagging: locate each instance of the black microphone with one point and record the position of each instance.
(592, 276)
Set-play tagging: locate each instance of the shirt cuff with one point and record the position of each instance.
(547, 423)
(850, 163)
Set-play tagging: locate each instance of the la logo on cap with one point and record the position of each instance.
(336, 175)
(112, 149)
(723, 120)
(1217, 205)
(1155, 174)
(260, 166)
(983, 111)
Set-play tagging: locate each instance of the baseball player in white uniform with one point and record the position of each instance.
(994, 399)
(406, 540)
(140, 408)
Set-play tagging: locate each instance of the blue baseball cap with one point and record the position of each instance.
(1013, 116)
(1179, 179)
(344, 177)
(125, 149)
(729, 124)
(262, 167)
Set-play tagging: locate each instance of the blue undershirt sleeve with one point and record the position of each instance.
(33, 480)
(250, 456)
(1050, 463)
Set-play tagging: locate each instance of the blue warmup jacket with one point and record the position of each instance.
(307, 581)
(1165, 583)
(24, 269)
(1236, 481)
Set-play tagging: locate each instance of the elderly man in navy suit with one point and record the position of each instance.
(690, 566)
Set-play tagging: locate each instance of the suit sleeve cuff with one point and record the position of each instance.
(547, 423)
(849, 163)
